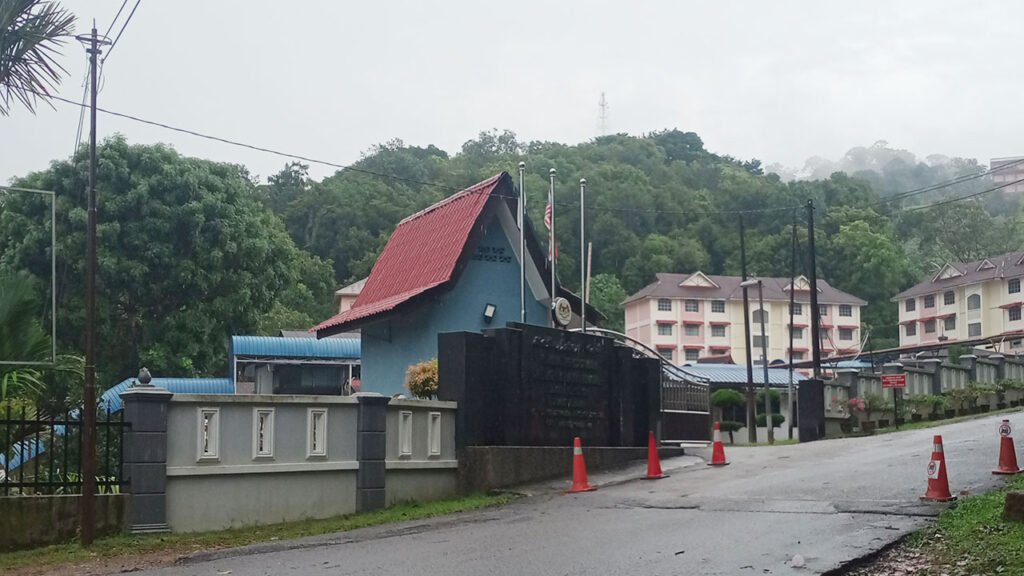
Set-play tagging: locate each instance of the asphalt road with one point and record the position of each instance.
(830, 501)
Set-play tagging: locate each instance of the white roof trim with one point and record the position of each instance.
(699, 280)
(940, 274)
(983, 266)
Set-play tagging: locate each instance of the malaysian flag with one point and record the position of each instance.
(547, 224)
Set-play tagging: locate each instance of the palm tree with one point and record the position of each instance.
(21, 339)
(31, 31)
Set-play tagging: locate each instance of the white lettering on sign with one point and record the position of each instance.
(933, 469)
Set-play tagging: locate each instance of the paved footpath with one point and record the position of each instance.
(829, 501)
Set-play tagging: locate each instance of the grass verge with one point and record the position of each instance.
(140, 544)
(972, 537)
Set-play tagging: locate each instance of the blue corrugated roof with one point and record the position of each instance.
(295, 347)
(736, 374)
(111, 399)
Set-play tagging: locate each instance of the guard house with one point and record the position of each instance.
(281, 365)
(451, 267)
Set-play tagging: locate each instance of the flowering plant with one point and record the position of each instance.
(857, 404)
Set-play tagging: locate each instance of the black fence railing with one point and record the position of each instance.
(41, 453)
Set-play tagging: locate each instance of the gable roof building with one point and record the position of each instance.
(439, 271)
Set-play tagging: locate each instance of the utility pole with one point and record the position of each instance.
(769, 425)
(88, 497)
(813, 273)
(553, 251)
(583, 261)
(522, 242)
(792, 301)
(751, 399)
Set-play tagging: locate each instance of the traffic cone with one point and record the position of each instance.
(718, 450)
(1007, 454)
(579, 470)
(938, 483)
(653, 464)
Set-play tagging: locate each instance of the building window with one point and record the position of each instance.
(912, 329)
(949, 298)
(1014, 313)
(666, 353)
(974, 330)
(797, 309)
(759, 316)
(718, 331)
(911, 305)
(846, 310)
(693, 330)
(664, 305)
(822, 311)
(929, 326)
(718, 306)
(1013, 286)
(796, 356)
(949, 324)
(209, 434)
(974, 302)
(719, 352)
(846, 333)
(929, 301)
(316, 437)
(434, 433)
(263, 433)
(692, 355)
(664, 329)
(1014, 343)
(757, 341)
(797, 331)
(692, 306)
(405, 433)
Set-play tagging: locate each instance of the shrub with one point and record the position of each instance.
(727, 397)
(777, 419)
(1010, 384)
(730, 427)
(421, 379)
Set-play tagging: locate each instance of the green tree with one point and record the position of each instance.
(31, 33)
(607, 295)
(187, 257)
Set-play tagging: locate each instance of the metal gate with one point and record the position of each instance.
(685, 407)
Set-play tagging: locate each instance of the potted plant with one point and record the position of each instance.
(421, 379)
(875, 403)
(857, 408)
(982, 394)
(963, 399)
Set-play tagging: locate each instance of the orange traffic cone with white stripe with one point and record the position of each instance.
(938, 483)
(718, 450)
(579, 470)
(1007, 454)
(653, 463)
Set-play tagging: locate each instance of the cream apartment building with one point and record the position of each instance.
(687, 317)
(967, 301)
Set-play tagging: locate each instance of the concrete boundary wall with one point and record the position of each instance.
(214, 461)
(32, 521)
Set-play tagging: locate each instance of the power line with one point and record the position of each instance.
(946, 184)
(123, 26)
(960, 198)
(114, 21)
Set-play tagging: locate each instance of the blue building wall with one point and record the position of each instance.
(390, 346)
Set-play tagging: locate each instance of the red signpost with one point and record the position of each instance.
(894, 381)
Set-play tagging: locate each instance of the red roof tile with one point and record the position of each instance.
(421, 254)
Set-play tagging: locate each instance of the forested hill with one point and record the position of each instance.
(192, 250)
(663, 203)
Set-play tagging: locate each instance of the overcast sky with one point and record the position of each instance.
(780, 81)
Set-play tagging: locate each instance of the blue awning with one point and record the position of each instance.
(277, 347)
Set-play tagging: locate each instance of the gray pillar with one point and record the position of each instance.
(970, 362)
(371, 450)
(1000, 362)
(934, 365)
(145, 457)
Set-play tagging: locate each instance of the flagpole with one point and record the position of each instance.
(583, 261)
(522, 242)
(551, 241)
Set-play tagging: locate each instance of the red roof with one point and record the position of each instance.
(421, 254)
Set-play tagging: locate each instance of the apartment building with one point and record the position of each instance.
(1008, 173)
(695, 316)
(967, 301)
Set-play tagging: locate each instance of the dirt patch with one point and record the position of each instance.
(100, 565)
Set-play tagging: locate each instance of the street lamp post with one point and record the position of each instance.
(764, 357)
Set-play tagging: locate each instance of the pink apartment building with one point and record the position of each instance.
(687, 317)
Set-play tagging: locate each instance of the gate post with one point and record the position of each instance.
(145, 456)
(371, 451)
